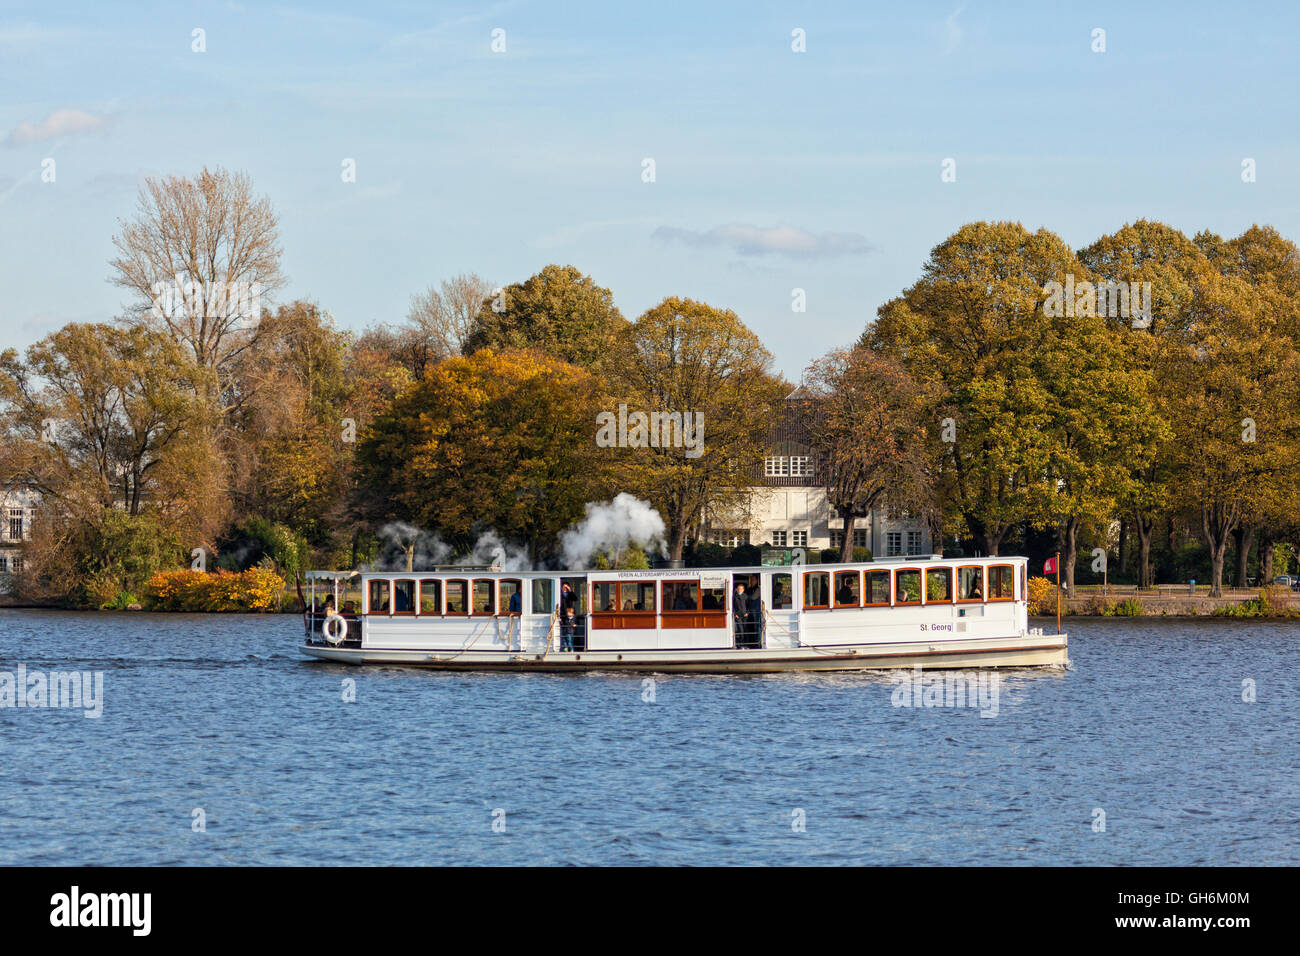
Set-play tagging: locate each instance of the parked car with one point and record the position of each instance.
(1287, 581)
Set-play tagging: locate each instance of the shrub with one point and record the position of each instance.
(1042, 596)
(1129, 607)
(257, 540)
(257, 589)
(1270, 603)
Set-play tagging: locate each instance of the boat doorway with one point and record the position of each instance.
(747, 630)
(579, 599)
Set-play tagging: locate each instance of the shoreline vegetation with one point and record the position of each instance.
(1017, 398)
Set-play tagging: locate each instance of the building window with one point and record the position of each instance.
(913, 542)
(859, 537)
(793, 466)
(18, 565)
(729, 539)
(15, 524)
(837, 539)
(893, 544)
(800, 539)
(4, 564)
(778, 539)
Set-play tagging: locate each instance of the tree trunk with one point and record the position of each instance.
(676, 541)
(1070, 546)
(1245, 538)
(1217, 525)
(1265, 557)
(1145, 527)
(1123, 541)
(1217, 553)
(846, 549)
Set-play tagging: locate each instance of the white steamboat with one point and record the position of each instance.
(932, 613)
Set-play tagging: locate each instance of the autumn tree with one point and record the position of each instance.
(559, 311)
(1038, 415)
(294, 440)
(1158, 265)
(200, 258)
(486, 441)
(1270, 264)
(867, 427)
(1238, 420)
(690, 364)
(108, 425)
(443, 317)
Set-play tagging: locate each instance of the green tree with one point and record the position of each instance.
(700, 368)
(559, 311)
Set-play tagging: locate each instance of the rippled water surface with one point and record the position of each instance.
(220, 713)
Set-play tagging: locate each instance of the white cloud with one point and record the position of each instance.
(59, 123)
(777, 240)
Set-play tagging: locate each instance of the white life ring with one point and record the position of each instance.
(334, 636)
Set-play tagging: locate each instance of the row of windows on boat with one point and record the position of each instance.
(822, 590)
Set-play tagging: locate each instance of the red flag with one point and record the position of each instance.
(1050, 566)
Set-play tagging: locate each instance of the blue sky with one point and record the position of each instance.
(775, 170)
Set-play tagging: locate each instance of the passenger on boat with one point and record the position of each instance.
(682, 602)
(568, 600)
(568, 628)
(740, 615)
(516, 603)
(779, 598)
(754, 598)
(402, 603)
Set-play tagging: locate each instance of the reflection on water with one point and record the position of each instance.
(219, 713)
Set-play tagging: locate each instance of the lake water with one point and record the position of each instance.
(219, 714)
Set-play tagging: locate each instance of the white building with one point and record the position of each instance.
(16, 509)
(788, 506)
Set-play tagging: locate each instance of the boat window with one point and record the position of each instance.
(816, 589)
(379, 597)
(543, 595)
(1002, 583)
(484, 599)
(907, 586)
(970, 583)
(938, 586)
(848, 588)
(604, 596)
(457, 593)
(637, 597)
(681, 596)
(507, 590)
(350, 596)
(877, 587)
(403, 597)
(430, 597)
(623, 605)
(782, 590)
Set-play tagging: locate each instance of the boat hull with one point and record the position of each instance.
(1035, 650)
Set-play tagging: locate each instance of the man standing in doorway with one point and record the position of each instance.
(740, 615)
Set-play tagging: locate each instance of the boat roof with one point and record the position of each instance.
(481, 570)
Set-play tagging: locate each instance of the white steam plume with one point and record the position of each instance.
(609, 528)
